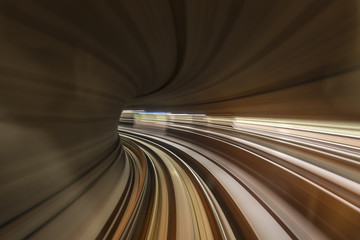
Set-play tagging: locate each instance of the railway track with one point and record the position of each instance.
(256, 187)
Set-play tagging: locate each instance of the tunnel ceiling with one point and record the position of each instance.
(236, 53)
(253, 58)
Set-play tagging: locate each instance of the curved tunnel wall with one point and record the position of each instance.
(68, 68)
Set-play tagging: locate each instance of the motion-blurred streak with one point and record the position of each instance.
(191, 206)
(38, 220)
(246, 123)
(307, 190)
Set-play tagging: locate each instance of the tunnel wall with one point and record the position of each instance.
(68, 68)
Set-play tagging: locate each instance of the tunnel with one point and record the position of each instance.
(179, 119)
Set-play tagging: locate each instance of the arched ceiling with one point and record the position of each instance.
(219, 57)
